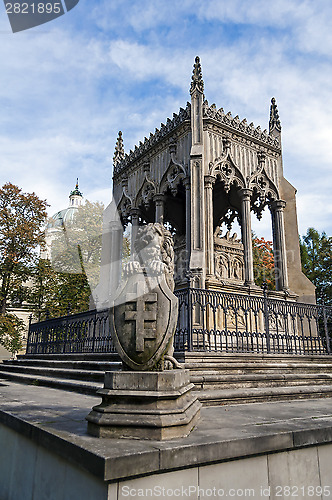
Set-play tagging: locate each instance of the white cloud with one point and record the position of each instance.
(65, 93)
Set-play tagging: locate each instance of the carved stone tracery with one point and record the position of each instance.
(229, 257)
(231, 168)
(226, 170)
(146, 193)
(172, 178)
(242, 126)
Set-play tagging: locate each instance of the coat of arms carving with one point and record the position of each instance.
(144, 310)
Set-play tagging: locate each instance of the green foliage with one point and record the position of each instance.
(76, 248)
(316, 257)
(11, 332)
(22, 219)
(56, 294)
(64, 284)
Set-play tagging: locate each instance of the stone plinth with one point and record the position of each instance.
(145, 405)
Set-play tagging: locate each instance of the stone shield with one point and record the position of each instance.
(143, 318)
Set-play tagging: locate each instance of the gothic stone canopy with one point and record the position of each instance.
(196, 171)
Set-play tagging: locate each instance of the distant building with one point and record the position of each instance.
(59, 220)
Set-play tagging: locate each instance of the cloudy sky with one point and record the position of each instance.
(67, 87)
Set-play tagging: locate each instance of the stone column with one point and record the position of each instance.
(279, 244)
(159, 200)
(134, 226)
(188, 220)
(209, 249)
(116, 233)
(246, 236)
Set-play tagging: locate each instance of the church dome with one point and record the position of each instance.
(61, 218)
(67, 215)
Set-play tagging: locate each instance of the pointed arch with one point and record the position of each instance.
(145, 193)
(172, 177)
(227, 171)
(264, 191)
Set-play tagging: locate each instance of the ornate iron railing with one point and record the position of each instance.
(227, 322)
(208, 321)
(79, 333)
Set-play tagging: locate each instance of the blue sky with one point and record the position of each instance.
(67, 87)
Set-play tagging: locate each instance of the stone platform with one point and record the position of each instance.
(45, 451)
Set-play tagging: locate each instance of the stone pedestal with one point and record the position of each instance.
(145, 405)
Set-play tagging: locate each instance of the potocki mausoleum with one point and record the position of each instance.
(196, 175)
(199, 172)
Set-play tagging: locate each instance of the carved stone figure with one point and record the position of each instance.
(144, 313)
(147, 402)
(229, 257)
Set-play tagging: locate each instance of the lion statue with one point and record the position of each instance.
(154, 257)
(155, 253)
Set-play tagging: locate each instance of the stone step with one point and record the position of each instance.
(72, 356)
(83, 387)
(88, 375)
(203, 380)
(260, 395)
(208, 358)
(68, 365)
(224, 378)
(196, 369)
(192, 357)
(213, 381)
(207, 397)
(246, 368)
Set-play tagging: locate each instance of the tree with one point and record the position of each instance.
(316, 257)
(64, 283)
(22, 221)
(11, 332)
(58, 293)
(263, 261)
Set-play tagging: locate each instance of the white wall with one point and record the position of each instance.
(30, 472)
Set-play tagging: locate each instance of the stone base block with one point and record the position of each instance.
(145, 405)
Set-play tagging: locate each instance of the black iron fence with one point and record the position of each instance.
(224, 322)
(208, 321)
(86, 332)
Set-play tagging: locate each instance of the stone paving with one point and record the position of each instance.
(56, 419)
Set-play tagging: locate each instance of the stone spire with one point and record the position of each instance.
(197, 82)
(119, 150)
(274, 124)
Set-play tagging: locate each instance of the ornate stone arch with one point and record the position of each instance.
(172, 177)
(264, 191)
(124, 207)
(227, 171)
(145, 193)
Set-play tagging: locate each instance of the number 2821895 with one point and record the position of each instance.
(33, 8)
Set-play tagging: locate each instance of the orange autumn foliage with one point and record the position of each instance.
(263, 262)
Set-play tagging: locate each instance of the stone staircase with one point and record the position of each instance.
(219, 378)
(83, 373)
(241, 378)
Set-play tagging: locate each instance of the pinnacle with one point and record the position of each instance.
(119, 150)
(197, 78)
(274, 123)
